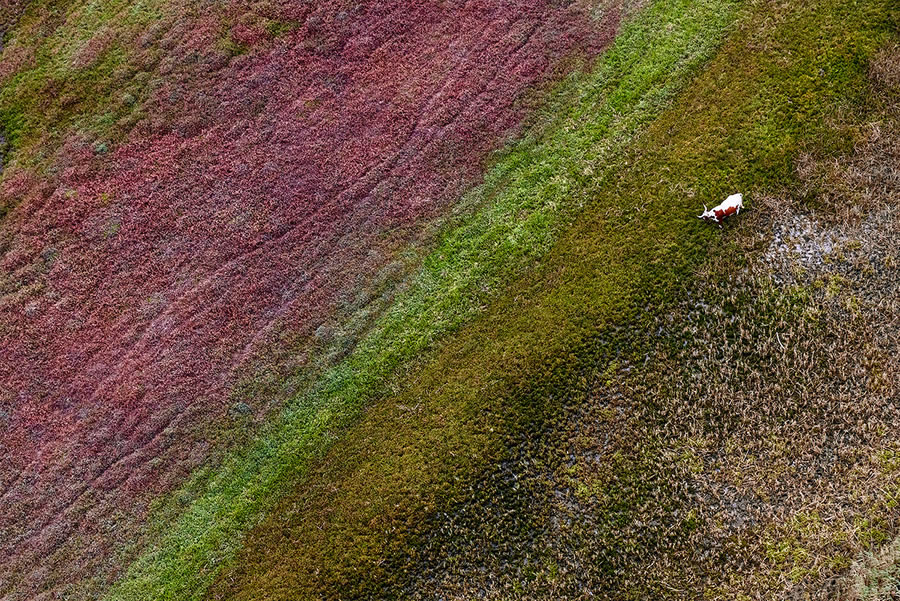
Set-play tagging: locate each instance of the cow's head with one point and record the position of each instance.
(708, 215)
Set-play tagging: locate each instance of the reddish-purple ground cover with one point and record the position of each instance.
(135, 286)
(9, 11)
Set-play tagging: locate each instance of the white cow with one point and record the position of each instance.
(730, 206)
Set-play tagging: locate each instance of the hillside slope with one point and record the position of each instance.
(657, 410)
(391, 300)
(194, 189)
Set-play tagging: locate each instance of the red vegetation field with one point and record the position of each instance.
(136, 285)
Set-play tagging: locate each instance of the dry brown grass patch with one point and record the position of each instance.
(885, 69)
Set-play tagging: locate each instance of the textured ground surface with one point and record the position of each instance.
(674, 435)
(260, 193)
(265, 335)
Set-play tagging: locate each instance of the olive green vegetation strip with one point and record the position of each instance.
(526, 198)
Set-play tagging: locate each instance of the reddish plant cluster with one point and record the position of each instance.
(138, 283)
(9, 12)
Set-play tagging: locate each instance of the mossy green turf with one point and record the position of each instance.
(738, 127)
(504, 226)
